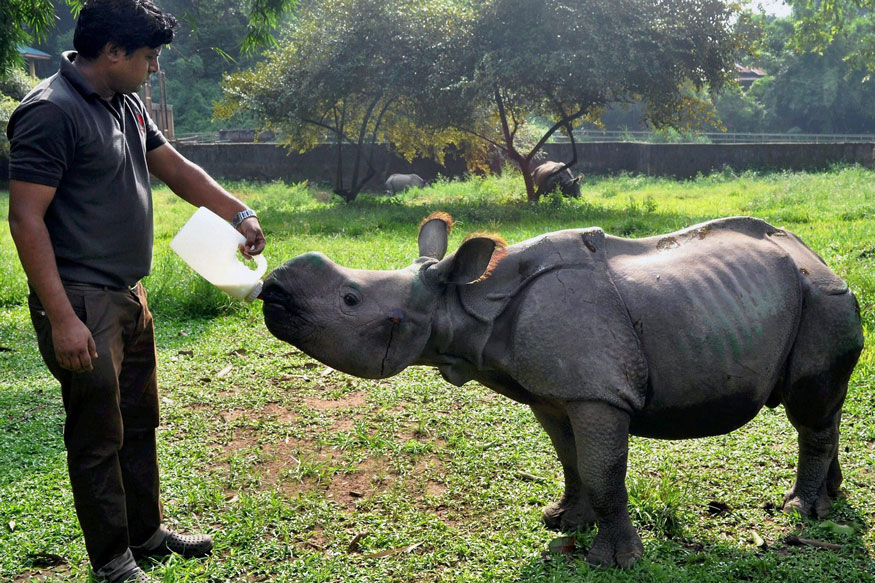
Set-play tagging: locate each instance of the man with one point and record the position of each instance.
(80, 213)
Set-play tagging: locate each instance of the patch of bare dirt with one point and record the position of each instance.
(366, 481)
(352, 401)
(282, 414)
(46, 574)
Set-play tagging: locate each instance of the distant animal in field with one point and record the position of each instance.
(550, 175)
(400, 182)
(675, 336)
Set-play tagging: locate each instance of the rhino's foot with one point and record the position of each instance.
(615, 547)
(817, 508)
(568, 515)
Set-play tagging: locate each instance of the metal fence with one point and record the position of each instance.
(628, 136)
(714, 137)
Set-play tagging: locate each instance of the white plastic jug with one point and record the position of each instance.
(210, 246)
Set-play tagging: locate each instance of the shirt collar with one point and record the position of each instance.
(71, 74)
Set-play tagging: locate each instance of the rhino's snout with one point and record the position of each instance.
(283, 317)
(273, 292)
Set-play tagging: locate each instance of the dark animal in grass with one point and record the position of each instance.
(678, 336)
(552, 175)
(400, 182)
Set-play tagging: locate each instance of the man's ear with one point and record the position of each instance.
(113, 51)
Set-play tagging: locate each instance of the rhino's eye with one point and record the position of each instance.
(351, 300)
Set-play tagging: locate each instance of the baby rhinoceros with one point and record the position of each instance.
(677, 336)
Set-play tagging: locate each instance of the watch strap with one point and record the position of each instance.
(242, 216)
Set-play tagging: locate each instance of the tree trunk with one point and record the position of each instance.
(524, 163)
(526, 170)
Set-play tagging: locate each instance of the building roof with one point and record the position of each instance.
(754, 72)
(32, 53)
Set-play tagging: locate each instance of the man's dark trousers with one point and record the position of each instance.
(111, 416)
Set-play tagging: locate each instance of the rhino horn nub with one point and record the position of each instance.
(434, 232)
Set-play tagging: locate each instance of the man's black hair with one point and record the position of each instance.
(129, 24)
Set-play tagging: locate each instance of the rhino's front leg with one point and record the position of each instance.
(573, 511)
(601, 434)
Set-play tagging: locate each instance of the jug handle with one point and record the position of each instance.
(260, 265)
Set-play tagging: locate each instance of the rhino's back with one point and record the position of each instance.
(716, 307)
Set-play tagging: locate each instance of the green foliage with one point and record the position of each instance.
(811, 91)
(12, 89)
(16, 84)
(7, 106)
(21, 21)
(820, 24)
(216, 37)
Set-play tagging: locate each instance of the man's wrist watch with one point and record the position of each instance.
(242, 216)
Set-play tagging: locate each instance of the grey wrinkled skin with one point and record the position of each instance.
(550, 175)
(400, 182)
(677, 336)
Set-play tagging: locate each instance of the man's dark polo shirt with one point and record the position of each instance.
(94, 152)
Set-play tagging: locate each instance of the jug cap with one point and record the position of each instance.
(255, 293)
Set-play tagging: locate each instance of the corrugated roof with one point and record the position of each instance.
(32, 52)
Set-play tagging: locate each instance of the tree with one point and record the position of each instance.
(350, 72)
(821, 23)
(566, 61)
(209, 43)
(806, 92)
(21, 21)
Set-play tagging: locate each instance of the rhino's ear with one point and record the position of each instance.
(434, 231)
(473, 261)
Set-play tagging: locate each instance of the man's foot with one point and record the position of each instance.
(186, 545)
(137, 575)
(122, 569)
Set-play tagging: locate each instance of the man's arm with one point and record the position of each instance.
(191, 183)
(74, 345)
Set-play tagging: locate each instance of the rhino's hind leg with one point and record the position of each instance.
(826, 349)
(815, 473)
(601, 435)
(573, 511)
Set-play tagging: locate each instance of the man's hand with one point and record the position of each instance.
(74, 345)
(254, 244)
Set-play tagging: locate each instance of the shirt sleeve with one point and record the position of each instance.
(42, 143)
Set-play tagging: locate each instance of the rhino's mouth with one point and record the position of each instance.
(283, 317)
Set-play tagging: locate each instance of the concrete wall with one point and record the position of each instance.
(264, 161)
(687, 160)
(268, 162)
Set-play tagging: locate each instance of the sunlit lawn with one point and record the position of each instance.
(303, 474)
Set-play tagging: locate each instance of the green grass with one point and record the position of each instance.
(286, 463)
